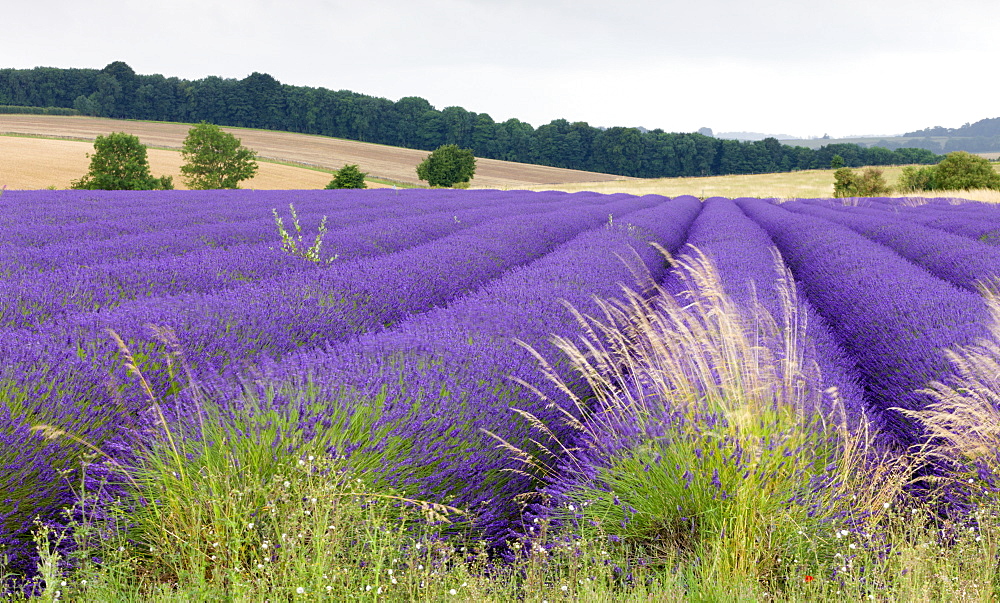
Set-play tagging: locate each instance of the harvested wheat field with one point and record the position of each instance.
(379, 161)
(804, 184)
(33, 163)
(783, 185)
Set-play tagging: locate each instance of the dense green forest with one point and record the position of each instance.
(260, 101)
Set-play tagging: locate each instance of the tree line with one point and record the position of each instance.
(260, 101)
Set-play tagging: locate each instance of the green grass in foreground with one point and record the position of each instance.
(229, 516)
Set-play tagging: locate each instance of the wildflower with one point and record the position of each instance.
(809, 578)
(564, 588)
(453, 592)
(300, 591)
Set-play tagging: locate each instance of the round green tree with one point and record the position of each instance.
(349, 176)
(119, 163)
(215, 159)
(447, 166)
(960, 171)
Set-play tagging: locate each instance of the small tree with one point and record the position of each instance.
(869, 183)
(119, 163)
(349, 176)
(836, 162)
(845, 183)
(447, 166)
(914, 179)
(964, 171)
(215, 159)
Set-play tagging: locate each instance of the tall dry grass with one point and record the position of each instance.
(705, 446)
(702, 472)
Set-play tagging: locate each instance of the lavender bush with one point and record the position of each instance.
(892, 317)
(503, 354)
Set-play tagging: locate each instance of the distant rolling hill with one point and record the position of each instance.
(380, 161)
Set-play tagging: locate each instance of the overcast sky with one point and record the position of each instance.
(798, 67)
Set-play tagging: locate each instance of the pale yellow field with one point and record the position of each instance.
(33, 163)
(806, 184)
(378, 161)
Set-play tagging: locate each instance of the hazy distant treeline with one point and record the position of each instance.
(980, 137)
(260, 101)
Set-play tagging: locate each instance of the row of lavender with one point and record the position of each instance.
(184, 263)
(427, 297)
(57, 370)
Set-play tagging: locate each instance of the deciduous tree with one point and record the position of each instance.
(215, 158)
(869, 183)
(447, 166)
(915, 179)
(349, 176)
(964, 171)
(118, 163)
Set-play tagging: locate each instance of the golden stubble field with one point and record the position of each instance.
(380, 161)
(33, 163)
(805, 184)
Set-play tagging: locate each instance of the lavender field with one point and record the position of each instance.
(430, 353)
